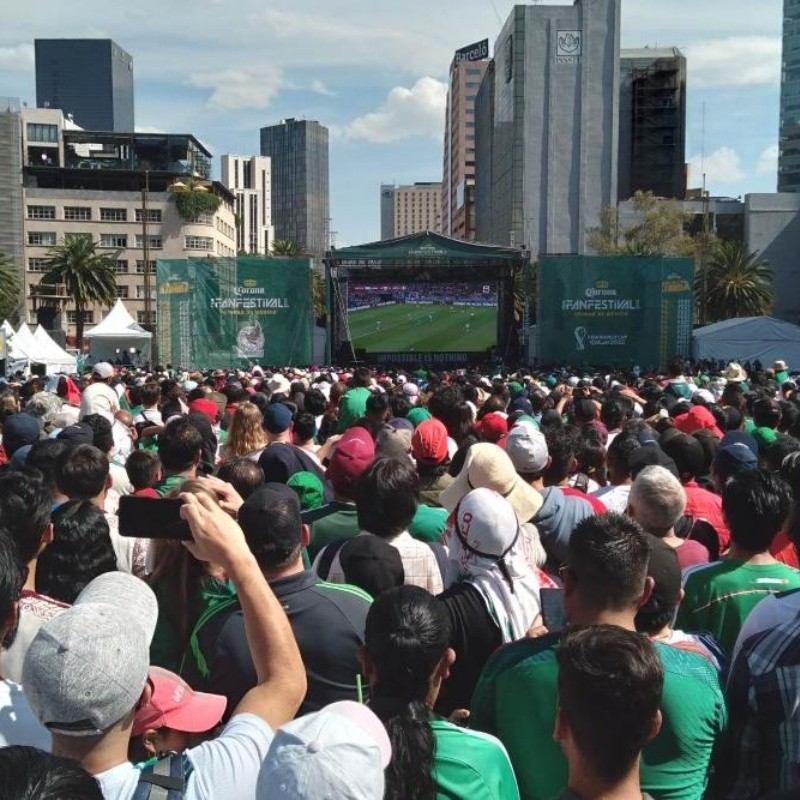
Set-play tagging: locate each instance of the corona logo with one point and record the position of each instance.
(249, 283)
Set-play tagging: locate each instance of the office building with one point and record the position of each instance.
(554, 119)
(652, 122)
(250, 180)
(90, 80)
(458, 168)
(121, 189)
(11, 181)
(298, 153)
(410, 209)
(789, 152)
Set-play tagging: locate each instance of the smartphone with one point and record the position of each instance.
(553, 615)
(150, 518)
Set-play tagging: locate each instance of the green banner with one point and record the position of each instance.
(624, 311)
(234, 312)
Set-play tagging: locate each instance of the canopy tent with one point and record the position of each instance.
(765, 339)
(56, 358)
(7, 330)
(28, 348)
(118, 333)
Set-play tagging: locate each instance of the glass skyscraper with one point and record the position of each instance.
(91, 79)
(789, 153)
(300, 193)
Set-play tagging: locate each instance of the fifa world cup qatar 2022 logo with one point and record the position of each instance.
(580, 337)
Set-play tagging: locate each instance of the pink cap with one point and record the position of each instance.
(174, 704)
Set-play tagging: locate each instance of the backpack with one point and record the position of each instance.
(164, 779)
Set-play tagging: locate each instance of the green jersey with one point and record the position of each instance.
(719, 596)
(470, 765)
(516, 700)
(342, 524)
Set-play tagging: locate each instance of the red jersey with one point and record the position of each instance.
(702, 504)
(597, 506)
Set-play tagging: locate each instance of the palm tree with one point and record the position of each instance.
(9, 287)
(87, 276)
(285, 248)
(735, 283)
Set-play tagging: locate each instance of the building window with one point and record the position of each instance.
(473, 71)
(115, 240)
(113, 215)
(154, 242)
(203, 218)
(140, 293)
(153, 215)
(42, 238)
(80, 213)
(140, 266)
(199, 243)
(121, 266)
(41, 212)
(88, 317)
(143, 318)
(42, 133)
(37, 265)
(509, 58)
(122, 291)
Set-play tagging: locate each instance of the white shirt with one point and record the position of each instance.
(614, 498)
(17, 723)
(98, 397)
(227, 766)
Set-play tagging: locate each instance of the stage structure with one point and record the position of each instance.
(234, 312)
(423, 299)
(614, 311)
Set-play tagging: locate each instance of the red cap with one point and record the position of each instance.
(207, 407)
(493, 427)
(699, 418)
(354, 453)
(429, 442)
(174, 704)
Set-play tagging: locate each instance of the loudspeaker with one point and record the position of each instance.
(47, 317)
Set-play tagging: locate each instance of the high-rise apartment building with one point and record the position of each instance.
(250, 180)
(553, 113)
(410, 209)
(652, 122)
(121, 190)
(298, 153)
(789, 152)
(458, 167)
(90, 80)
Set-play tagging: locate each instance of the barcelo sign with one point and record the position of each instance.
(473, 52)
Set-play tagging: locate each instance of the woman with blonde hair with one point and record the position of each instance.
(246, 435)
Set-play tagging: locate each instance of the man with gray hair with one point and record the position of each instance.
(657, 501)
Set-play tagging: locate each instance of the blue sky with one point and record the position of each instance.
(374, 72)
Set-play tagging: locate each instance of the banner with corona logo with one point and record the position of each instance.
(234, 312)
(620, 311)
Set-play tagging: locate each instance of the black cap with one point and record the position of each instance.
(686, 452)
(665, 570)
(256, 517)
(371, 564)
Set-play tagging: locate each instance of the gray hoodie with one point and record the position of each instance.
(557, 518)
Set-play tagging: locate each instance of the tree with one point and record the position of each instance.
(9, 288)
(194, 197)
(286, 248)
(88, 277)
(320, 307)
(659, 230)
(735, 283)
(524, 290)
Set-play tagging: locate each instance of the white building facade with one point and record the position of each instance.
(250, 180)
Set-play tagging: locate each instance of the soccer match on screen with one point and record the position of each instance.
(422, 316)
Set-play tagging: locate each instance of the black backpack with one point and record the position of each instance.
(165, 779)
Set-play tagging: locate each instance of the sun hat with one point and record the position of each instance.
(488, 466)
(86, 668)
(340, 751)
(279, 384)
(174, 704)
(735, 372)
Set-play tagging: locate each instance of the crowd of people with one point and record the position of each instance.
(400, 584)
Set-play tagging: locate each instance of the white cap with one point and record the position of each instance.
(527, 449)
(339, 752)
(103, 369)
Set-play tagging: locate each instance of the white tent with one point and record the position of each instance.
(56, 358)
(749, 338)
(118, 332)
